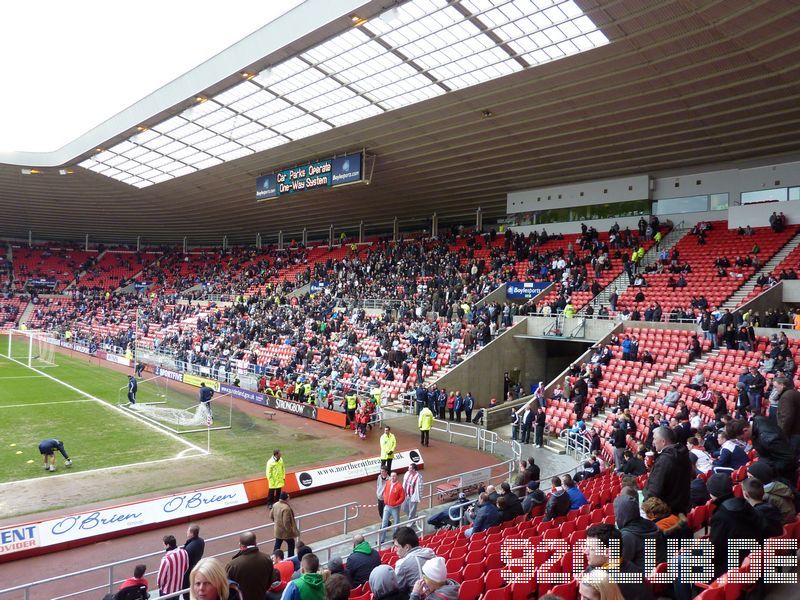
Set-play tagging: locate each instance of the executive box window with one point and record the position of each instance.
(589, 212)
(773, 195)
(689, 204)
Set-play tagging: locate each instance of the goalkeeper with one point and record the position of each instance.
(47, 448)
(206, 393)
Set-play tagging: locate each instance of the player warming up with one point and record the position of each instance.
(206, 393)
(133, 387)
(47, 448)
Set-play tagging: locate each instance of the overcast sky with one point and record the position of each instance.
(66, 67)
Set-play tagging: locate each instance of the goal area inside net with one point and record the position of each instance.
(34, 348)
(157, 403)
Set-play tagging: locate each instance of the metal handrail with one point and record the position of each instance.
(110, 566)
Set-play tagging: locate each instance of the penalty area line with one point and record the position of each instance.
(117, 408)
(45, 403)
(68, 473)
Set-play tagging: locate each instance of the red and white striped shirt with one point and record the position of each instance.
(170, 572)
(412, 482)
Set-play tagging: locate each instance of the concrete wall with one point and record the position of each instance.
(482, 373)
(579, 194)
(757, 215)
(791, 291)
(773, 297)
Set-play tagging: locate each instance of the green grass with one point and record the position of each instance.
(99, 434)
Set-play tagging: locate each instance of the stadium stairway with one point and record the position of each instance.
(26, 314)
(72, 284)
(622, 281)
(745, 292)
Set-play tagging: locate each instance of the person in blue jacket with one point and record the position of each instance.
(206, 393)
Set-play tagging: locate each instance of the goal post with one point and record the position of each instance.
(193, 419)
(34, 348)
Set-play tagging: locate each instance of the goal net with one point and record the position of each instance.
(34, 348)
(157, 403)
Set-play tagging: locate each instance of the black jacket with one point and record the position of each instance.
(770, 518)
(360, 565)
(635, 466)
(671, 478)
(557, 505)
(635, 530)
(734, 519)
(513, 506)
(773, 447)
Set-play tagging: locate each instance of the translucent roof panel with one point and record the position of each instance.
(414, 52)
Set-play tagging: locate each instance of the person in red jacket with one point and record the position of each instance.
(393, 497)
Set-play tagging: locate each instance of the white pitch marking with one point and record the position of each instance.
(67, 473)
(46, 403)
(112, 407)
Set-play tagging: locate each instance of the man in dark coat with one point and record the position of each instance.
(635, 530)
(194, 546)
(771, 445)
(671, 476)
(733, 519)
(558, 503)
(250, 568)
(788, 413)
(361, 562)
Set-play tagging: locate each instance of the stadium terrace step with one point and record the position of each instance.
(622, 282)
(745, 292)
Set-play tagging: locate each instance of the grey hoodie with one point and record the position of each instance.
(449, 591)
(635, 530)
(409, 570)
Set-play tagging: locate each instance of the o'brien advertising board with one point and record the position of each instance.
(341, 170)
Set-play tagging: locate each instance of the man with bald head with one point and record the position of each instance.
(361, 562)
(250, 568)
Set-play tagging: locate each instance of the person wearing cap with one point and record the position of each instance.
(383, 584)
(434, 582)
(733, 519)
(776, 492)
(362, 561)
(533, 498)
(285, 525)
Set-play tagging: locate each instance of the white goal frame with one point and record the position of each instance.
(39, 347)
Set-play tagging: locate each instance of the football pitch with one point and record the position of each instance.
(79, 403)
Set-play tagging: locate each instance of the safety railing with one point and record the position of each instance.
(326, 552)
(349, 511)
(576, 444)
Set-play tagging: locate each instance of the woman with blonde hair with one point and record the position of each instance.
(208, 581)
(595, 585)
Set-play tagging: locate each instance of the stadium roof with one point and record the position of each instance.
(459, 102)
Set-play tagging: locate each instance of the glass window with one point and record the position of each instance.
(590, 212)
(794, 193)
(668, 206)
(718, 202)
(773, 195)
